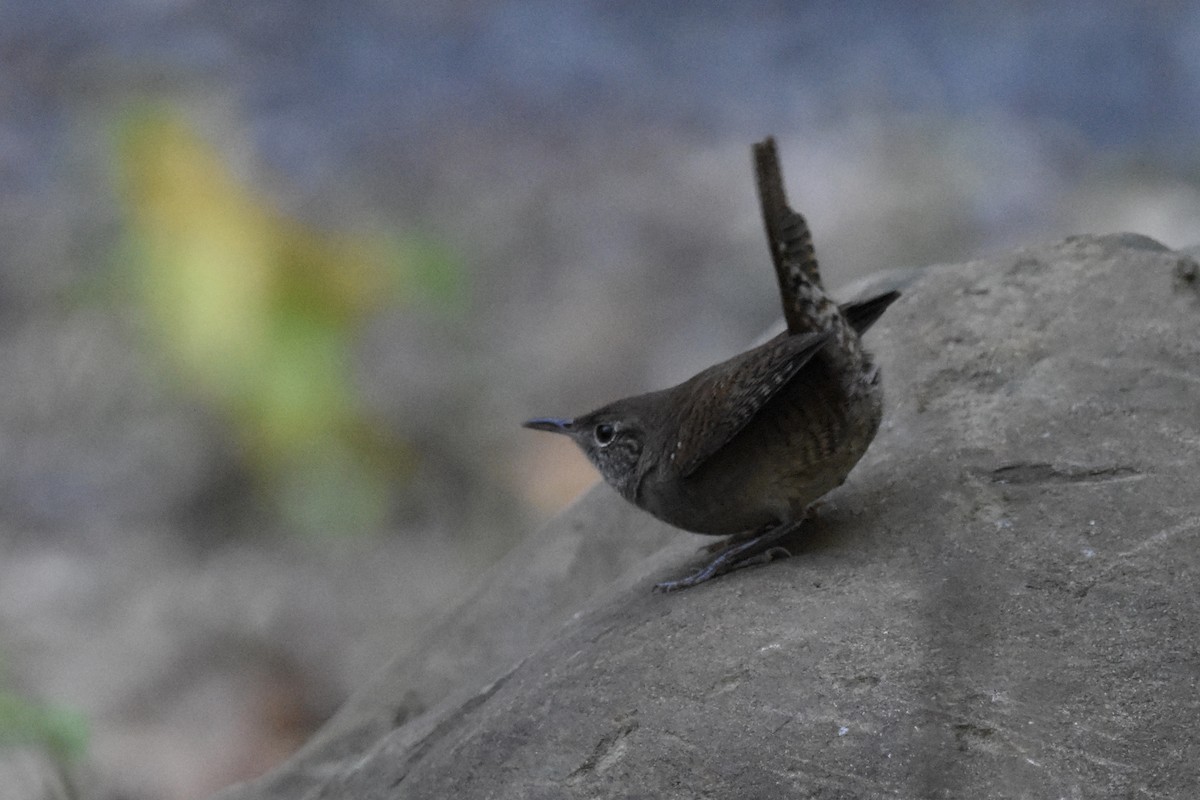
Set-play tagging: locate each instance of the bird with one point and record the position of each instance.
(744, 448)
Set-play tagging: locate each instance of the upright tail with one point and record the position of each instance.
(806, 307)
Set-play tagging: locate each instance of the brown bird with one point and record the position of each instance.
(746, 446)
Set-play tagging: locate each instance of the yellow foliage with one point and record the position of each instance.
(257, 311)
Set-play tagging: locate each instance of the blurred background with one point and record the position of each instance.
(279, 281)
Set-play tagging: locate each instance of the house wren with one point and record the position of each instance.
(746, 446)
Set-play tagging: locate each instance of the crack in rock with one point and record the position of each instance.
(448, 724)
(608, 751)
(1022, 474)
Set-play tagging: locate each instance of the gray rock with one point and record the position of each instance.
(999, 602)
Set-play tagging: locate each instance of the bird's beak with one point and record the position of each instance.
(549, 424)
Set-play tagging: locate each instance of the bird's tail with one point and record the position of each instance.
(806, 307)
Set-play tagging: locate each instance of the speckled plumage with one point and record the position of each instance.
(750, 443)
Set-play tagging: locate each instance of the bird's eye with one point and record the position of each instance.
(604, 434)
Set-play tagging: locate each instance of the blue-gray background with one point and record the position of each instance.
(588, 164)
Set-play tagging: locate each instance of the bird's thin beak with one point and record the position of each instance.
(549, 424)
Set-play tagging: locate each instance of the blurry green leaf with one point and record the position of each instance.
(61, 732)
(335, 494)
(258, 312)
(432, 270)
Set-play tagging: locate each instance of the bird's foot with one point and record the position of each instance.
(759, 549)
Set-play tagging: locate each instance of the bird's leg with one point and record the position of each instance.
(728, 542)
(738, 538)
(758, 549)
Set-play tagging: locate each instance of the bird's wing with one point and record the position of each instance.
(724, 398)
(862, 314)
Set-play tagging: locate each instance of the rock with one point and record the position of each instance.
(999, 602)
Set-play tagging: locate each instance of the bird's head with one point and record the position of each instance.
(611, 437)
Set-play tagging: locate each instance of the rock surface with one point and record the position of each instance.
(1000, 601)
